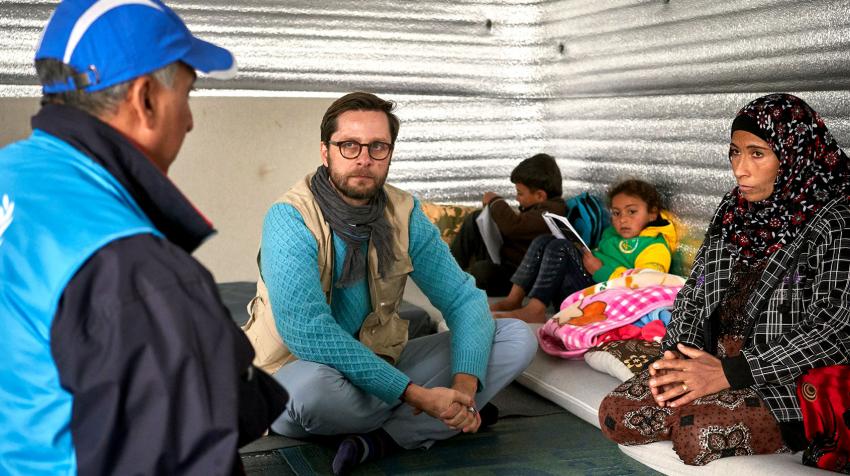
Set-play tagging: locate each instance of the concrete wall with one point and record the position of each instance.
(242, 155)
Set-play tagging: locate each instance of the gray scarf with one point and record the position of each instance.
(355, 225)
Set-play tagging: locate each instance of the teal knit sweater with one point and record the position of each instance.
(325, 334)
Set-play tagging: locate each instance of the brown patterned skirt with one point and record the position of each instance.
(727, 423)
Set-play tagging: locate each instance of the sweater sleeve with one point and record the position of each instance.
(302, 315)
(453, 292)
(517, 226)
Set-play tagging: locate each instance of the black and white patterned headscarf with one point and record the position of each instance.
(813, 170)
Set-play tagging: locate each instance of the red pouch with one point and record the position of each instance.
(824, 395)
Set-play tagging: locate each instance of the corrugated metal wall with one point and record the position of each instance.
(648, 88)
(612, 88)
(462, 48)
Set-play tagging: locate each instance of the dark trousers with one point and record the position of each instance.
(471, 254)
(551, 270)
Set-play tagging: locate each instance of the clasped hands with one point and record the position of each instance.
(676, 381)
(453, 406)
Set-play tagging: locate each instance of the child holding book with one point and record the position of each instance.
(640, 237)
(537, 181)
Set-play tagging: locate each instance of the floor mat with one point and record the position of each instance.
(272, 442)
(266, 463)
(513, 401)
(559, 444)
(518, 401)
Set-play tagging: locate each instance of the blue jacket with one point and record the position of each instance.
(120, 357)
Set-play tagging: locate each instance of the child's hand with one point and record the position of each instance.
(489, 197)
(591, 263)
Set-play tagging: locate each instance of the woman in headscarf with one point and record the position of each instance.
(768, 298)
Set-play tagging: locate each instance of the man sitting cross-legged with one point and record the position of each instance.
(336, 252)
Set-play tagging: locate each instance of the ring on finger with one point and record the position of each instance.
(684, 387)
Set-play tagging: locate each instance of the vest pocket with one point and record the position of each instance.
(386, 335)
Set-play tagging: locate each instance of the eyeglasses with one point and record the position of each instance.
(351, 149)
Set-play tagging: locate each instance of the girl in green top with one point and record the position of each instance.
(641, 236)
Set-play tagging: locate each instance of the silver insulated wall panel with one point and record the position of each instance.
(649, 88)
(612, 88)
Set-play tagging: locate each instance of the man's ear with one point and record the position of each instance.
(142, 101)
(323, 150)
(135, 116)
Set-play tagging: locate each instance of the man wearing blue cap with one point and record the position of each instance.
(119, 355)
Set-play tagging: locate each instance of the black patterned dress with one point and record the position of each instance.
(726, 423)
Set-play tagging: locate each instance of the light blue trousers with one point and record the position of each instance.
(323, 402)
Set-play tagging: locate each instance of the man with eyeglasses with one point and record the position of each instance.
(336, 252)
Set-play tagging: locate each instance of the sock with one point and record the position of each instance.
(357, 449)
(348, 455)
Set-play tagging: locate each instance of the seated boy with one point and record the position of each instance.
(538, 190)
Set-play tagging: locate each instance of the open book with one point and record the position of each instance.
(490, 234)
(561, 228)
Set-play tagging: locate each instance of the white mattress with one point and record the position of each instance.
(661, 457)
(578, 388)
(571, 384)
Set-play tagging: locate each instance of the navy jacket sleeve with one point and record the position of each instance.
(161, 377)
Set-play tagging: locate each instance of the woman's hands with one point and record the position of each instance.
(654, 372)
(677, 381)
(591, 263)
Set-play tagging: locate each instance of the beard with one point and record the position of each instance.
(356, 192)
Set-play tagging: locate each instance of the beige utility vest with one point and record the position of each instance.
(383, 330)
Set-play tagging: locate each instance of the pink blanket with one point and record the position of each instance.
(587, 314)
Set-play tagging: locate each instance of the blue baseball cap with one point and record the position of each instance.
(112, 41)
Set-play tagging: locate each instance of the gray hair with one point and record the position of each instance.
(99, 102)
